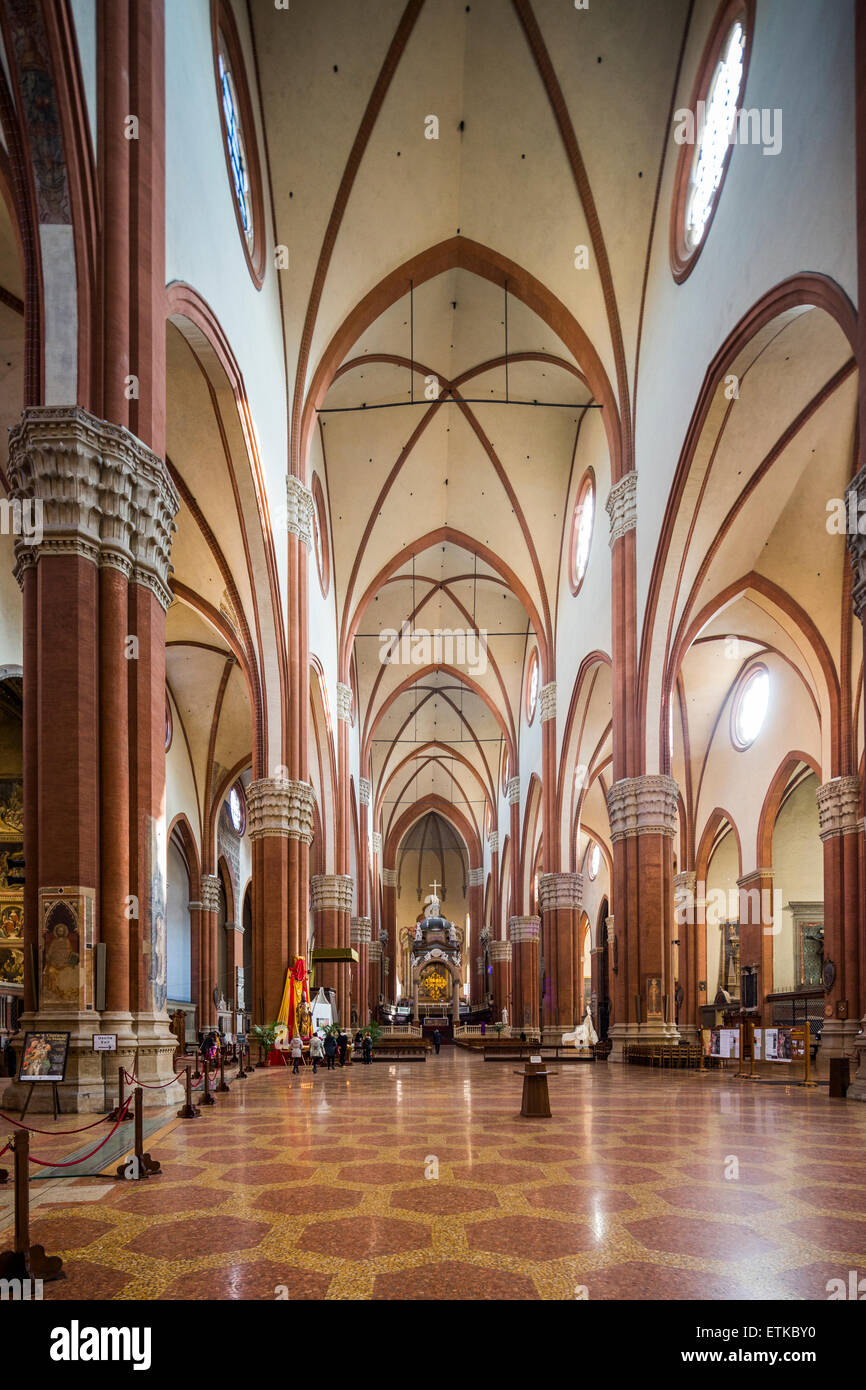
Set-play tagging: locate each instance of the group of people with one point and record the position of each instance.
(326, 1050)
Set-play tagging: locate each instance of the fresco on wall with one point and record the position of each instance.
(66, 948)
(11, 812)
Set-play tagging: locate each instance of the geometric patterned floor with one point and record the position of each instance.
(317, 1187)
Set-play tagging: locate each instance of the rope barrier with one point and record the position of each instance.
(149, 1085)
(72, 1163)
(32, 1130)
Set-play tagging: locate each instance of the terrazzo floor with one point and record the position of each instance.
(326, 1187)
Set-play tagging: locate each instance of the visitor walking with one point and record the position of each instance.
(367, 1048)
(437, 1040)
(317, 1052)
(330, 1050)
(297, 1051)
(344, 1048)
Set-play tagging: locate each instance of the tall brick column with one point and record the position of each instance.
(643, 821)
(500, 959)
(389, 926)
(359, 937)
(757, 928)
(332, 902)
(208, 959)
(95, 594)
(524, 934)
(299, 526)
(686, 932)
(495, 906)
(374, 972)
(561, 896)
(476, 922)
(840, 828)
(280, 822)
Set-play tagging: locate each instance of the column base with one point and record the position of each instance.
(838, 1039)
(82, 1091)
(857, 1089)
(553, 1033)
(621, 1033)
(156, 1046)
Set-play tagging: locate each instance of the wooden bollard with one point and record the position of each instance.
(206, 1097)
(223, 1084)
(139, 1164)
(188, 1111)
(26, 1261)
(114, 1115)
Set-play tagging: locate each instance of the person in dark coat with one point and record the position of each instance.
(437, 1040)
(367, 1048)
(344, 1047)
(330, 1050)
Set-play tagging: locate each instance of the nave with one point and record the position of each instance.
(322, 1188)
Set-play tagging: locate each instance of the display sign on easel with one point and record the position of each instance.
(43, 1059)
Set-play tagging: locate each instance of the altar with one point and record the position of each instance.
(436, 973)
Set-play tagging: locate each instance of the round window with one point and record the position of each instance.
(750, 707)
(594, 860)
(581, 531)
(707, 131)
(237, 810)
(532, 677)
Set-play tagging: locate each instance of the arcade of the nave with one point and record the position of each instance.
(430, 569)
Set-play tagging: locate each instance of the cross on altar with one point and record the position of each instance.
(435, 886)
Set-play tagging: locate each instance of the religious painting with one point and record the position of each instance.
(66, 948)
(11, 920)
(43, 1057)
(654, 1002)
(11, 810)
(11, 864)
(11, 941)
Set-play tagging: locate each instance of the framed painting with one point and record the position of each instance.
(43, 1057)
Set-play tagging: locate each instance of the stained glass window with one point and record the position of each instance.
(713, 140)
(237, 151)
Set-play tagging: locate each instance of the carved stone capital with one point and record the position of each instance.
(500, 950)
(359, 931)
(685, 882)
(855, 505)
(642, 806)
(332, 892)
(547, 702)
(280, 806)
(512, 791)
(365, 791)
(90, 488)
(838, 807)
(610, 928)
(562, 890)
(493, 841)
(389, 878)
(299, 510)
(476, 878)
(524, 929)
(344, 702)
(621, 507)
(376, 841)
(374, 952)
(210, 892)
